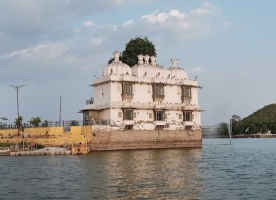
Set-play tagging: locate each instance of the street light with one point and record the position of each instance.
(60, 110)
(17, 88)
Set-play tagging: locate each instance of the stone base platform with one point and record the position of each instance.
(120, 140)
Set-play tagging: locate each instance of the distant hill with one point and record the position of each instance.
(261, 121)
(263, 115)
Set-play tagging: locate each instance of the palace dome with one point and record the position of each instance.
(117, 67)
(176, 72)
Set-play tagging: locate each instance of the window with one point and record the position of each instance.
(186, 92)
(119, 114)
(160, 116)
(127, 88)
(158, 90)
(187, 116)
(102, 94)
(128, 115)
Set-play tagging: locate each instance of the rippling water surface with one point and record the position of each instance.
(245, 170)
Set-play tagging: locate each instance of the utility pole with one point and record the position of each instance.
(230, 130)
(60, 111)
(17, 88)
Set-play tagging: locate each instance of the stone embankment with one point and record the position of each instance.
(255, 136)
(119, 140)
(44, 151)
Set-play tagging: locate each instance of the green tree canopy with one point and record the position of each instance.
(260, 121)
(18, 121)
(35, 121)
(223, 129)
(134, 48)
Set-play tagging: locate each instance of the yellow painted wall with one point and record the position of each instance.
(75, 130)
(86, 131)
(9, 131)
(42, 130)
(77, 134)
(35, 131)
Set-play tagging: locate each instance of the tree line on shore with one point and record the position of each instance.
(34, 122)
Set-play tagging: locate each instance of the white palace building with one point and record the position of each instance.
(144, 106)
(144, 97)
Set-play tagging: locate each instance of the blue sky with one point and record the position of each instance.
(56, 47)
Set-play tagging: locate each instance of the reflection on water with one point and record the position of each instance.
(244, 170)
(152, 173)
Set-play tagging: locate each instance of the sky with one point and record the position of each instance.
(57, 47)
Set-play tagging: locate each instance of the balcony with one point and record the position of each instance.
(186, 100)
(188, 123)
(126, 96)
(158, 98)
(159, 123)
(90, 101)
(128, 122)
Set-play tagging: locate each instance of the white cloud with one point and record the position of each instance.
(162, 17)
(127, 23)
(95, 41)
(195, 70)
(113, 27)
(23, 52)
(88, 23)
(207, 9)
(180, 26)
(76, 30)
(39, 51)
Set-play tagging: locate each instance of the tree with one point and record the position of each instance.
(236, 118)
(74, 123)
(18, 121)
(223, 129)
(45, 123)
(3, 125)
(134, 48)
(35, 121)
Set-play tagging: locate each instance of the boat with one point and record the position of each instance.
(5, 152)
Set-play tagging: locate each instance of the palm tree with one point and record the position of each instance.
(4, 119)
(35, 121)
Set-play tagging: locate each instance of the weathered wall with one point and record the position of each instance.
(115, 140)
(102, 93)
(54, 131)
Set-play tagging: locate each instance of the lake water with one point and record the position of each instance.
(244, 170)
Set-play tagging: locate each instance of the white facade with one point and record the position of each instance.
(144, 97)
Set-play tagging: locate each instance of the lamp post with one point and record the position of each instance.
(17, 88)
(60, 110)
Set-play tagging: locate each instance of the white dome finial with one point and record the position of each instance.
(174, 62)
(153, 60)
(140, 59)
(116, 55)
(146, 58)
